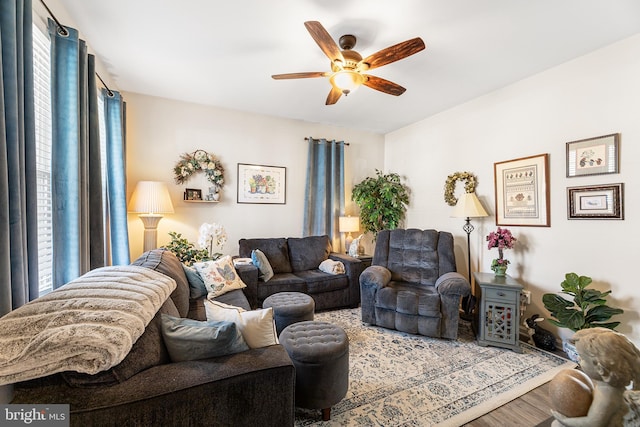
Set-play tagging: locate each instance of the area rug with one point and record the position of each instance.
(399, 379)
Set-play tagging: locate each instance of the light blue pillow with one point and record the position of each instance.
(260, 260)
(188, 339)
(197, 288)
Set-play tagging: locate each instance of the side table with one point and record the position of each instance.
(499, 313)
(365, 260)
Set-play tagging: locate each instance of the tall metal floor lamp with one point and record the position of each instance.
(468, 207)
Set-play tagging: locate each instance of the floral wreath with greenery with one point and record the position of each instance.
(199, 160)
(450, 186)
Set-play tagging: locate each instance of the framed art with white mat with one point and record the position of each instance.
(522, 191)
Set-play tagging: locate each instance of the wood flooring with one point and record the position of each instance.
(528, 410)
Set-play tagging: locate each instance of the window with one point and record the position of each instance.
(42, 100)
(42, 104)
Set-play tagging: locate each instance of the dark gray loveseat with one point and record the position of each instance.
(254, 387)
(295, 264)
(412, 284)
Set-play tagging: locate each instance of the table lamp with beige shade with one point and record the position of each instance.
(150, 199)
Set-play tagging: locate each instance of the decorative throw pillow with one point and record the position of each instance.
(219, 276)
(197, 287)
(260, 260)
(188, 339)
(257, 326)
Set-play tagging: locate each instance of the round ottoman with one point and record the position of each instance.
(289, 308)
(320, 354)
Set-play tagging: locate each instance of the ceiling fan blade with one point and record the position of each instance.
(333, 97)
(392, 53)
(383, 85)
(324, 40)
(299, 75)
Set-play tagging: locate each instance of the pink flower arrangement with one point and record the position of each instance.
(501, 239)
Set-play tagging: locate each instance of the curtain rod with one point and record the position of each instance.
(63, 31)
(307, 138)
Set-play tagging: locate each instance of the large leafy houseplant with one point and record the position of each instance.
(382, 200)
(588, 308)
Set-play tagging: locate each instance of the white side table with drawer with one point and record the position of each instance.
(499, 313)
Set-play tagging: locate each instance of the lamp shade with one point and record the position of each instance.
(348, 224)
(469, 206)
(150, 197)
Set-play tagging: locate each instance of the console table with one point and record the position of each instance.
(499, 313)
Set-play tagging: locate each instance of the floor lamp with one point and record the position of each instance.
(150, 199)
(468, 207)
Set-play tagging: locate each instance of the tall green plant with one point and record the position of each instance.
(382, 200)
(587, 310)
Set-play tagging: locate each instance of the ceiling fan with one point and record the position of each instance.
(347, 66)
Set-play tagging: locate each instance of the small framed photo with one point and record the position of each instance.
(593, 156)
(596, 202)
(193, 194)
(261, 184)
(522, 191)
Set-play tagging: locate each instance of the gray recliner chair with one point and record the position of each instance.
(412, 284)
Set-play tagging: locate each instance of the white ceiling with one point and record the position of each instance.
(224, 53)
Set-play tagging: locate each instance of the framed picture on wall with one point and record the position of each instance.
(596, 202)
(593, 156)
(193, 194)
(522, 191)
(261, 184)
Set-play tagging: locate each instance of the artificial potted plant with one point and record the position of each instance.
(587, 309)
(382, 200)
(184, 250)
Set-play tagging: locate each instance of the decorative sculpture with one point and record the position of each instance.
(541, 337)
(612, 362)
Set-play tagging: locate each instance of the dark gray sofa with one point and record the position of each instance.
(255, 387)
(295, 264)
(412, 284)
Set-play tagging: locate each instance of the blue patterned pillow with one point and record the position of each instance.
(188, 339)
(260, 260)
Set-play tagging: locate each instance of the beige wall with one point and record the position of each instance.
(160, 130)
(593, 95)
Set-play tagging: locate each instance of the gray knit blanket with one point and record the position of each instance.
(88, 325)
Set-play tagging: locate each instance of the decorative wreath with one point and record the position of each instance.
(199, 160)
(450, 186)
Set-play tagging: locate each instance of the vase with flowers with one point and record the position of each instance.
(501, 239)
(212, 235)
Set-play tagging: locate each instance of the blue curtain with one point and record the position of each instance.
(78, 230)
(114, 108)
(18, 197)
(324, 193)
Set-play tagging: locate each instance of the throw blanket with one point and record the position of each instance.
(88, 325)
(332, 267)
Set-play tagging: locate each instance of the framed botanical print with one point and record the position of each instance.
(593, 156)
(261, 184)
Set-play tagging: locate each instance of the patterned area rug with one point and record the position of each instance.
(398, 379)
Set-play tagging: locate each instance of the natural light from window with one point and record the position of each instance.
(42, 100)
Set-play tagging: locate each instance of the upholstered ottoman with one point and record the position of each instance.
(320, 354)
(289, 308)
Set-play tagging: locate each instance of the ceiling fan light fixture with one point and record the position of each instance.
(347, 80)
